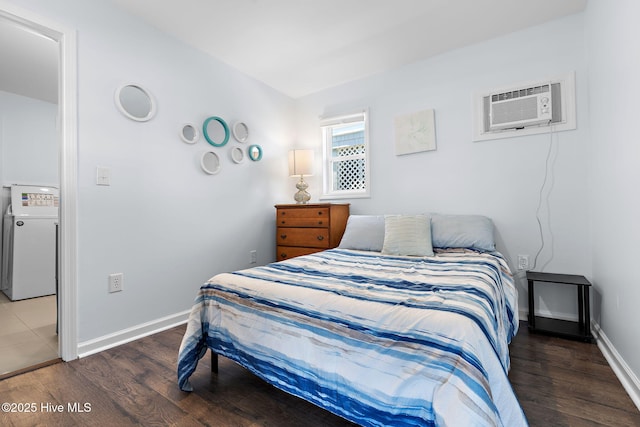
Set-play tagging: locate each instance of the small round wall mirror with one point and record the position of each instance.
(216, 131)
(255, 152)
(135, 102)
(189, 134)
(210, 162)
(240, 132)
(237, 155)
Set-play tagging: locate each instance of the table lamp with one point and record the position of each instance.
(301, 163)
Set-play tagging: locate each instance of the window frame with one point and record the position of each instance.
(327, 157)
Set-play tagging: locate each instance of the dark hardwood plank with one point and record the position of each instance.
(558, 382)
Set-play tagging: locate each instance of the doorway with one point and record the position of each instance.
(64, 42)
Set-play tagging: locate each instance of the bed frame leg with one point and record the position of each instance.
(214, 362)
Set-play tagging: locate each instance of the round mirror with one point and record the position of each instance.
(237, 155)
(135, 103)
(216, 131)
(255, 152)
(190, 134)
(240, 132)
(210, 163)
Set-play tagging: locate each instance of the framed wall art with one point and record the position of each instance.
(415, 132)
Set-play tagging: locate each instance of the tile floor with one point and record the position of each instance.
(27, 332)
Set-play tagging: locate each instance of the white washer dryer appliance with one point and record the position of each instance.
(29, 242)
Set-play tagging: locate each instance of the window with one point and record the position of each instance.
(346, 157)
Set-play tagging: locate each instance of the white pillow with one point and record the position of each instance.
(407, 235)
(363, 232)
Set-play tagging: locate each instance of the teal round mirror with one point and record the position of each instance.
(216, 131)
(255, 152)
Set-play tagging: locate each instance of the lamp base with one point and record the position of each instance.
(302, 197)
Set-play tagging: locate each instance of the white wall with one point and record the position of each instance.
(28, 143)
(500, 178)
(163, 223)
(614, 67)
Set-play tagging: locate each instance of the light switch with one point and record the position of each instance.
(103, 176)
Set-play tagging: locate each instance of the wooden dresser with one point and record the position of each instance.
(305, 229)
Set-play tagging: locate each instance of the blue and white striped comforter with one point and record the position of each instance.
(378, 340)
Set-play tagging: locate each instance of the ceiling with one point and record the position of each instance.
(303, 46)
(297, 46)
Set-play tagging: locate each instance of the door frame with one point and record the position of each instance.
(67, 128)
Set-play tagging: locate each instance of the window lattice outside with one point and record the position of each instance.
(350, 174)
(352, 150)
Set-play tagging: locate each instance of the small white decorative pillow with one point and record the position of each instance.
(407, 235)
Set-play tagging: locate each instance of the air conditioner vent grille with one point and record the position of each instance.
(519, 93)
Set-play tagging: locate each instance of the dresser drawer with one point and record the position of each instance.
(286, 252)
(309, 237)
(318, 217)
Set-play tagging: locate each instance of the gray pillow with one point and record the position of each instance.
(462, 231)
(364, 233)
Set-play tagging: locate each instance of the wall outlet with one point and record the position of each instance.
(253, 256)
(523, 262)
(115, 282)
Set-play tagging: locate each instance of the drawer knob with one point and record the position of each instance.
(283, 255)
(319, 212)
(319, 222)
(283, 222)
(320, 237)
(283, 236)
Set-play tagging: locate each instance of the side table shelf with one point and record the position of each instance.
(580, 330)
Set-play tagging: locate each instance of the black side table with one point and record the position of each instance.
(580, 330)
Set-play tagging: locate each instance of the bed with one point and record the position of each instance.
(394, 327)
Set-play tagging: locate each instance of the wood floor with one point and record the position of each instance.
(558, 382)
(567, 383)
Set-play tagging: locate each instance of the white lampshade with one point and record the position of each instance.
(300, 162)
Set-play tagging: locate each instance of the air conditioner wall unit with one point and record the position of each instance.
(527, 108)
(519, 108)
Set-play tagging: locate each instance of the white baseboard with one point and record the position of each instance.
(626, 376)
(115, 339)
